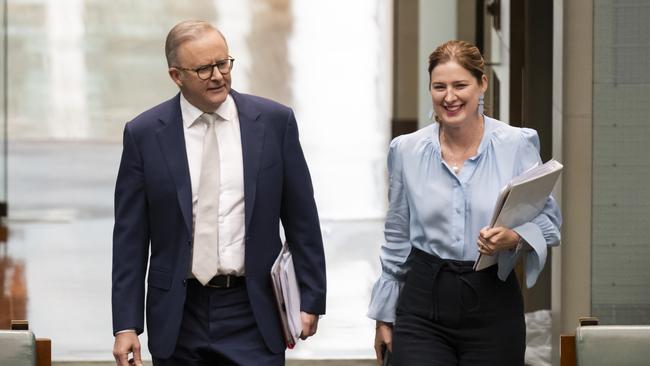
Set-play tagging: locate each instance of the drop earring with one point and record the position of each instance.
(432, 116)
(481, 103)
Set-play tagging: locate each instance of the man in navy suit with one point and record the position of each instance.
(230, 318)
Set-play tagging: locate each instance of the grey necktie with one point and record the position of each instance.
(205, 257)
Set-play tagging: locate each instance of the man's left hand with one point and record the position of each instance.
(309, 325)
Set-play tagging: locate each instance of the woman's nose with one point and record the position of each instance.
(450, 95)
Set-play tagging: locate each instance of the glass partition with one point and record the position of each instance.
(3, 116)
(621, 196)
(79, 69)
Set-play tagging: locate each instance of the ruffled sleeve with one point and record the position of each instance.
(541, 232)
(397, 246)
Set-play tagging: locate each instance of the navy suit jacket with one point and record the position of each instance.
(153, 220)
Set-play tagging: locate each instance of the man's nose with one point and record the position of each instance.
(216, 74)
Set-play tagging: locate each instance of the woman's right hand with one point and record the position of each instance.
(383, 338)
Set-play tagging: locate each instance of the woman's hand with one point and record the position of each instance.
(491, 241)
(383, 338)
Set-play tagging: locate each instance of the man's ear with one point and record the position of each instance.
(175, 74)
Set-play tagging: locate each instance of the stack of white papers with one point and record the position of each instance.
(521, 200)
(287, 295)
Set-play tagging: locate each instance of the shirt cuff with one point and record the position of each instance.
(383, 300)
(125, 331)
(535, 259)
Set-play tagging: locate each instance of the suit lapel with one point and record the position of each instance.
(172, 144)
(252, 138)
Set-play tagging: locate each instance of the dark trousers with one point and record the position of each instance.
(218, 328)
(448, 314)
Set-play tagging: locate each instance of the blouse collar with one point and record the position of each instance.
(488, 132)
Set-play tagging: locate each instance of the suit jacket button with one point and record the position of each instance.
(189, 242)
(184, 282)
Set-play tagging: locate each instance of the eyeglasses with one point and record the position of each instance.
(205, 72)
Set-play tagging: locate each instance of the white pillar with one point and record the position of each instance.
(67, 71)
(437, 24)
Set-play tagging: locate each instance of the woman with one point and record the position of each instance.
(431, 307)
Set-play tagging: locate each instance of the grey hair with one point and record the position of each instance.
(182, 32)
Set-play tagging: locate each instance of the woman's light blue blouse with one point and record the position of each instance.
(436, 211)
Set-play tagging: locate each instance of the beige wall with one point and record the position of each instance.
(572, 285)
(437, 24)
(577, 135)
(405, 96)
(466, 20)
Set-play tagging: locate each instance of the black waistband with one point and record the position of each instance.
(224, 281)
(452, 265)
(459, 268)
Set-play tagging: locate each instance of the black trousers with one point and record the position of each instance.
(219, 329)
(448, 314)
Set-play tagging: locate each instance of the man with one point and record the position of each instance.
(204, 180)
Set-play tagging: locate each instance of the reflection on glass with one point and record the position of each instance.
(68, 116)
(271, 73)
(3, 119)
(342, 98)
(13, 290)
(78, 70)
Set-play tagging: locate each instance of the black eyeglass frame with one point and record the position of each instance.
(229, 62)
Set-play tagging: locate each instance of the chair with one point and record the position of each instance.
(600, 345)
(19, 347)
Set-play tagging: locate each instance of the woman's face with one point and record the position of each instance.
(455, 93)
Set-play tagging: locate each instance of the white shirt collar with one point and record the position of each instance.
(227, 111)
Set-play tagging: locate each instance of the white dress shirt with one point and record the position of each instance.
(231, 195)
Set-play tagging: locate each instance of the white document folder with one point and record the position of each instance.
(521, 200)
(287, 295)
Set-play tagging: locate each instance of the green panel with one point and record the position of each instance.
(621, 168)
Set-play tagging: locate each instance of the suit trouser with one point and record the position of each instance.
(218, 328)
(448, 314)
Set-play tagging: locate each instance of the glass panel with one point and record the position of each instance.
(79, 69)
(10, 270)
(621, 194)
(3, 113)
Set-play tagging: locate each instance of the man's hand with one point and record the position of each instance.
(309, 325)
(491, 241)
(125, 343)
(383, 338)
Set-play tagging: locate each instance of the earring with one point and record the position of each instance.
(481, 103)
(432, 116)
